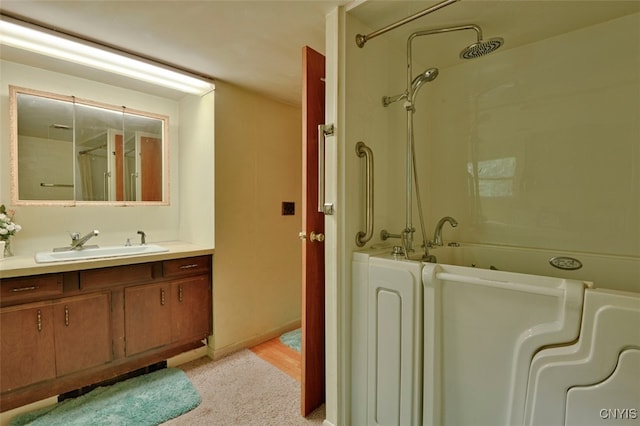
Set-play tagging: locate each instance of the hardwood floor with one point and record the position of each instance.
(281, 356)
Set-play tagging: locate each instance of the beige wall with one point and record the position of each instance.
(257, 275)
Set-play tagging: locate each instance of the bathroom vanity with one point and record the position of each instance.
(69, 325)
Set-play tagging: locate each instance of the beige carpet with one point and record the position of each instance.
(242, 390)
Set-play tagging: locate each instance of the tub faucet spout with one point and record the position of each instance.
(437, 235)
(77, 242)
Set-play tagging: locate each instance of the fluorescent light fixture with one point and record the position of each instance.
(45, 43)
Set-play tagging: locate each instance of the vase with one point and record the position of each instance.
(8, 251)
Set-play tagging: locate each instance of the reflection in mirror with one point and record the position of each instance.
(95, 134)
(142, 155)
(45, 148)
(68, 150)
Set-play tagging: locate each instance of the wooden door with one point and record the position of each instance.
(313, 351)
(27, 350)
(147, 317)
(150, 168)
(82, 328)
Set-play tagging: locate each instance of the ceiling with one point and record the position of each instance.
(257, 44)
(254, 44)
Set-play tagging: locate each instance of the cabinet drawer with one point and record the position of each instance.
(31, 288)
(187, 266)
(117, 275)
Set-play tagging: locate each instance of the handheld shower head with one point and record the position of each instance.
(481, 48)
(428, 75)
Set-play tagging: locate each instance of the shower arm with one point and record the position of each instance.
(432, 31)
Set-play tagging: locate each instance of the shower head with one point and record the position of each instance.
(481, 48)
(428, 75)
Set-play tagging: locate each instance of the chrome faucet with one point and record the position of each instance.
(437, 235)
(77, 243)
(143, 238)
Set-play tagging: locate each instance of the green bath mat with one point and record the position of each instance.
(293, 339)
(150, 399)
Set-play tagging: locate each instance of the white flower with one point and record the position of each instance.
(3, 231)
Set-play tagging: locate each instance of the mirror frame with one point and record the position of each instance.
(14, 91)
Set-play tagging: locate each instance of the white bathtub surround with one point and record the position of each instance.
(394, 335)
(585, 383)
(613, 272)
(441, 344)
(482, 328)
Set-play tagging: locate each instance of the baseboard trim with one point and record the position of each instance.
(253, 341)
(188, 356)
(5, 417)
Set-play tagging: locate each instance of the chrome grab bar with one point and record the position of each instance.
(53, 185)
(323, 130)
(105, 185)
(132, 185)
(362, 150)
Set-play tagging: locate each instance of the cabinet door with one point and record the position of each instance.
(27, 350)
(147, 317)
(82, 332)
(191, 308)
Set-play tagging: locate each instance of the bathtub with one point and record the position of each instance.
(494, 335)
(600, 271)
(603, 271)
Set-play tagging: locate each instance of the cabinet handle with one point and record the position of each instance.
(66, 316)
(180, 292)
(190, 266)
(19, 289)
(162, 299)
(39, 320)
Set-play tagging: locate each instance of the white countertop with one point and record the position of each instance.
(18, 266)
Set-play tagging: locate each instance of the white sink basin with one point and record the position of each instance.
(97, 253)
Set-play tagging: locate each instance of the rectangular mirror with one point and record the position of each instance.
(67, 150)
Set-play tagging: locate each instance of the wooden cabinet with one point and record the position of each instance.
(147, 317)
(49, 339)
(27, 354)
(61, 332)
(173, 311)
(82, 328)
(158, 314)
(191, 308)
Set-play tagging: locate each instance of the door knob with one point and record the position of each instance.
(316, 237)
